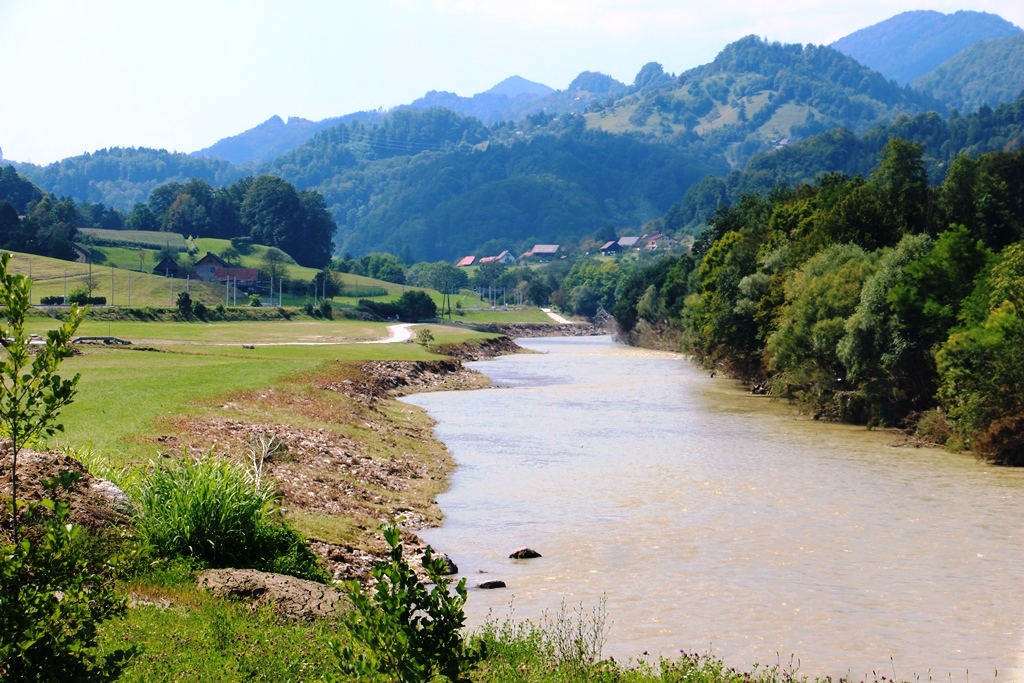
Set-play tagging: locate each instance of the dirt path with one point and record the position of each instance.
(397, 333)
(557, 318)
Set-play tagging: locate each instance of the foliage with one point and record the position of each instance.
(424, 337)
(409, 633)
(255, 301)
(956, 82)
(214, 512)
(184, 304)
(32, 394)
(56, 588)
(412, 306)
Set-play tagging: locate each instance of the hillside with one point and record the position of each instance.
(839, 150)
(441, 185)
(757, 95)
(273, 138)
(121, 176)
(987, 73)
(909, 45)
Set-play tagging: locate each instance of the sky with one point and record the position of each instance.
(80, 76)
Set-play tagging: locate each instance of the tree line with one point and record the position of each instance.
(875, 300)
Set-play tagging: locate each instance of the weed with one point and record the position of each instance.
(215, 512)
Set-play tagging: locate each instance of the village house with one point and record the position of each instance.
(168, 267)
(465, 261)
(504, 258)
(543, 252)
(609, 248)
(657, 240)
(206, 266)
(629, 242)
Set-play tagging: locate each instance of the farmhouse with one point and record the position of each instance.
(611, 247)
(543, 252)
(504, 257)
(168, 267)
(206, 266)
(629, 242)
(465, 261)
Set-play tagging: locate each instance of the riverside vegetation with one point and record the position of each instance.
(106, 604)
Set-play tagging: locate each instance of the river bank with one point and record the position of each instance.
(346, 455)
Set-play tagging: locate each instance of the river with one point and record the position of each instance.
(711, 520)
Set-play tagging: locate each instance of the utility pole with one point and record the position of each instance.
(111, 285)
(65, 286)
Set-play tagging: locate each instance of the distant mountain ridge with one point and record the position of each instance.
(273, 137)
(909, 45)
(989, 73)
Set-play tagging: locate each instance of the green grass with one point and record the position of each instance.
(487, 315)
(154, 239)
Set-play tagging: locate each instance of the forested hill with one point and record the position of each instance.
(909, 45)
(442, 184)
(842, 151)
(757, 95)
(987, 73)
(274, 137)
(120, 177)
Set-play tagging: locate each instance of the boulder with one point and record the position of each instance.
(449, 565)
(524, 554)
(488, 585)
(289, 596)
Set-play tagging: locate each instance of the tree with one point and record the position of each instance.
(142, 218)
(416, 305)
(274, 263)
(32, 394)
(184, 304)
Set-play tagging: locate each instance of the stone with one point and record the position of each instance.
(449, 564)
(488, 585)
(524, 554)
(287, 595)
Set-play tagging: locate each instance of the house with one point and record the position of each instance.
(242, 277)
(465, 261)
(629, 242)
(657, 240)
(168, 267)
(206, 266)
(503, 258)
(611, 247)
(543, 252)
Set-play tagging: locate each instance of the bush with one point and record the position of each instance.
(409, 633)
(56, 587)
(216, 512)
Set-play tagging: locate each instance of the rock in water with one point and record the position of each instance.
(487, 585)
(524, 554)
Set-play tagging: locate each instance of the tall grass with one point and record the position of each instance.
(214, 511)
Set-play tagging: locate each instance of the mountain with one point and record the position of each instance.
(987, 73)
(513, 86)
(599, 153)
(909, 45)
(840, 150)
(756, 96)
(273, 138)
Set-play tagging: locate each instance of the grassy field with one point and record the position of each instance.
(150, 238)
(124, 391)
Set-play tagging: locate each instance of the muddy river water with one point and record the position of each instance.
(711, 520)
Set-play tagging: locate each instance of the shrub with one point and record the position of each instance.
(255, 301)
(56, 587)
(409, 633)
(215, 512)
(184, 304)
(326, 310)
